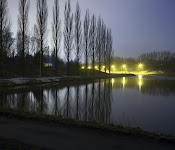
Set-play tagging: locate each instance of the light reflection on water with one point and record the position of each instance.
(135, 101)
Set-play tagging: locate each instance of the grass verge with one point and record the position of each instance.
(11, 144)
(116, 129)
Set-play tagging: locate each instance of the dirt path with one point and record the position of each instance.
(54, 136)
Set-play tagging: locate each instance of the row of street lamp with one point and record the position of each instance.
(124, 67)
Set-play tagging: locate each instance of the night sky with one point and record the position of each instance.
(138, 26)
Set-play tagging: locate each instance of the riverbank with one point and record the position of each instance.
(33, 131)
(43, 80)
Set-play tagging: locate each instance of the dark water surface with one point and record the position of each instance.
(147, 102)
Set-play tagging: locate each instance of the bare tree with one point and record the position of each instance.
(99, 42)
(78, 35)
(68, 33)
(92, 38)
(109, 48)
(103, 45)
(56, 33)
(86, 37)
(42, 14)
(34, 41)
(23, 29)
(3, 25)
(8, 41)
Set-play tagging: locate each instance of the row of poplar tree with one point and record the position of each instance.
(90, 41)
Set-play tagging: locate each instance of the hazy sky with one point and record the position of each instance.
(137, 25)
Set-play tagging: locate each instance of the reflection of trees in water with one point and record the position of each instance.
(91, 108)
(103, 101)
(56, 105)
(40, 100)
(67, 103)
(90, 101)
(77, 104)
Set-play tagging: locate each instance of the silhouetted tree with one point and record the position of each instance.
(56, 33)
(8, 42)
(86, 38)
(92, 38)
(34, 41)
(103, 45)
(42, 14)
(78, 36)
(99, 42)
(4, 22)
(23, 39)
(68, 33)
(109, 48)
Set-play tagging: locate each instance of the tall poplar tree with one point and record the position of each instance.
(56, 33)
(78, 36)
(68, 33)
(22, 30)
(42, 15)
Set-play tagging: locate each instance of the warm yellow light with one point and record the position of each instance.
(112, 81)
(140, 83)
(140, 77)
(124, 66)
(103, 66)
(89, 67)
(124, 82)
(96, 67)
(113, 67)
(140, 65)
(82, 67)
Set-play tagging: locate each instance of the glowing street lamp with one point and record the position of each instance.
(124, 68)
(112, 68)
(89, 67)
(140, 66)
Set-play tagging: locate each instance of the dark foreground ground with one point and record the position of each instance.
(28, 134)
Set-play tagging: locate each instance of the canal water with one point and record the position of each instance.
(147, 102)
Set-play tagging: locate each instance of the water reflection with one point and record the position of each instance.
(109, 100)
(140, 82)
(124, 82)
(150, 86)
(89, 101)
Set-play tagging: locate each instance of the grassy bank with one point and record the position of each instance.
(43, 80)
(60, 121)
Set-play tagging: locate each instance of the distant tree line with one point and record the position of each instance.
(157, 60)
(90, 41)
(164, 60)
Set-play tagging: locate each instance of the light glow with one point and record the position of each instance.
(112, 81)
(89, 67)
(124, 82)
